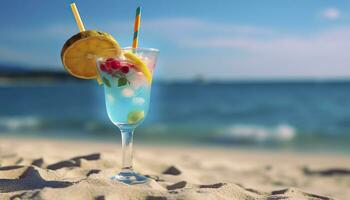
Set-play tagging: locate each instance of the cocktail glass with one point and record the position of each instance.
(127, 94)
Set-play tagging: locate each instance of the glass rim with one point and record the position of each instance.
(129, 48)
(137, 49)
(140, 48)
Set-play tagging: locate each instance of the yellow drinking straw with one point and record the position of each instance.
(136, 28)
(77, 17)
(82, 28)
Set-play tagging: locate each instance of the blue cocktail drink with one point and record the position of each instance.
(127, 84)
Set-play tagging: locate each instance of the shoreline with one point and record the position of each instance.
(183, 144)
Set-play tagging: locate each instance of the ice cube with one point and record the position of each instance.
(138, 80)
(128, 92)
(149, 63)
(138, 100)
(110, 98)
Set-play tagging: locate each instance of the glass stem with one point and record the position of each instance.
(127, 139)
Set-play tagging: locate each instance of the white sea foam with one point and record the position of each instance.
(282, 132)
(14, 124)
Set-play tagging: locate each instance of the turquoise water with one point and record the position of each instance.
(127, 104)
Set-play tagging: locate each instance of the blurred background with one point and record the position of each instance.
(251, 74)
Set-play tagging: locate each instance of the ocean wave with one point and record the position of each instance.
(281, 132)
(18, 123)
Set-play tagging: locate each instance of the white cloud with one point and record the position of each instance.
(169, 28)
(175, 28)
(235, 51)
(321, 54)
(331, 13)
(225, 50)
(188, 25)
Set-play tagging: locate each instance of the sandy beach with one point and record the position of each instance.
(48, 169)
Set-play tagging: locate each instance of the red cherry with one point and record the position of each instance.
(127, 64)
(103, 67)
(112, 63)
(109, 60)
(115, 64)
(108, 64)
(125, 69)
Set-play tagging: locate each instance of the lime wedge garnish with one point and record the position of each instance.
(135, 116)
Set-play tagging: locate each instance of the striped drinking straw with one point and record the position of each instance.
(136, 28)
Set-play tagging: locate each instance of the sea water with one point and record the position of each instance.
(297, 115)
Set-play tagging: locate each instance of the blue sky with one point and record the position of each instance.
(221, 39)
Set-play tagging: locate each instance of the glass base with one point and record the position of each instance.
(130, 178)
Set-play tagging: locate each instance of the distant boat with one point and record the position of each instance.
(200, 79)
